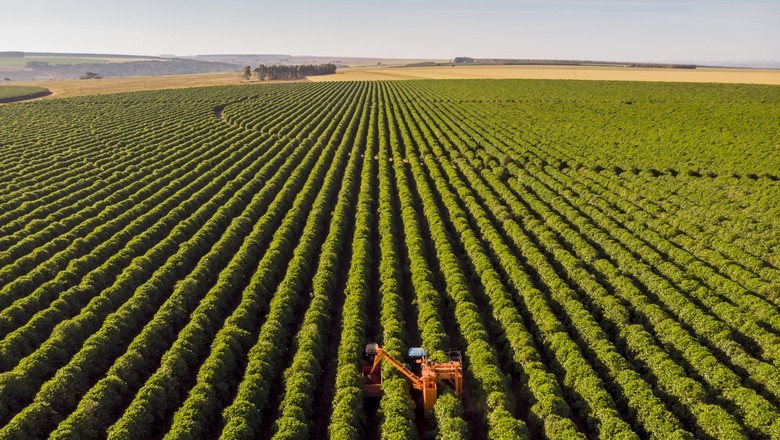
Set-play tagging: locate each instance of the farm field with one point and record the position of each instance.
(18, 93)
(210, 262)
(75, 87)
(700, 75)
(66, 88)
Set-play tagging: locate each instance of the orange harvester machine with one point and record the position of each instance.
(424, 373)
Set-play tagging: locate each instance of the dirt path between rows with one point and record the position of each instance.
(218, 111)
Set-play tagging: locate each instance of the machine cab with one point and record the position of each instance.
(415, 359)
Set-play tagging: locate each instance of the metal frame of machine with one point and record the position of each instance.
(422, 372)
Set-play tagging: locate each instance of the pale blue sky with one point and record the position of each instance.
(631, 30)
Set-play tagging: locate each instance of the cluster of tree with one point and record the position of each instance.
(98, 282)
(593, 300)
(637, 393)
(304, 375)
(640, 397)
(544, 62)
(36, 64)
(686, 136)
(448, 410)
(154, 340)
(463, 60)
(149, 405)
(206, 399)
(708, 418)
(82, 257)
(348, 399)
(663, 66)
(265, 360)
(280, 71)
(90, 75)
(482, 357)
(212, 300)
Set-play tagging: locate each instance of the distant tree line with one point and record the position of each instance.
(36, 64)
(280, 71)
(541, 62)
(463, 60)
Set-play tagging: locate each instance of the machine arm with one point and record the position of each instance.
(383, 355)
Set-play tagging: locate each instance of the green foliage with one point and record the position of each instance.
(18, 93)
(681, 126)
(606, 270)
(449, 412)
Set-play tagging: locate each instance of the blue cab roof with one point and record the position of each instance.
(417, 352)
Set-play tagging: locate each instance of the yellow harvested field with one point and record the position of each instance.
(751, 76)
(78, 87)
